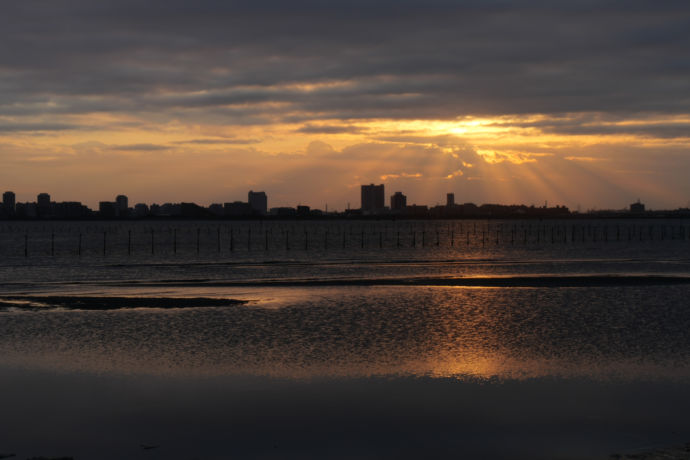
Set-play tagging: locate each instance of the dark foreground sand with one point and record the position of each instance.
(681, 452)
(670, 453)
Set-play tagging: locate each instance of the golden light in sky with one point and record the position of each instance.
(491, 150)
(204, 112)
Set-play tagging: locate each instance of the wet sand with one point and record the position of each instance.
(111, 303)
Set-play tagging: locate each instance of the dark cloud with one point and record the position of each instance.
(650, 125)
(330, 129)
(34, 127)
(138, 147)
(399, 59)
(218, 142)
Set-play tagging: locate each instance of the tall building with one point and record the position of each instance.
(9, 202)
(450, 200)
(258, 202)
(43, 199)
(373, 200)
(122, 204)
(43, 206)
(398, 201)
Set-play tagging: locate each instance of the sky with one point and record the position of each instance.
(580, 103)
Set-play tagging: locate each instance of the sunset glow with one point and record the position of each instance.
(203, 113)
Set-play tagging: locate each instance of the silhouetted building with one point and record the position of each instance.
(107, 209)
(417, 210)
(43, 199)
(637, 208)
(216, 209)
(283, 212)
(373, 200)
(141, 210)
(26, 210)
(398, 201)
(303, 211)
(70, 210)
(450, 200)
(169, 210)
(122, 205)
(258, 202)
(8, 203)
(193, 211)
(237, 209)
(43, 206)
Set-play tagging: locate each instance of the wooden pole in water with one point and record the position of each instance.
(397, 244)
(306, 240)
(232, 240)
(198, 239)
(26, 244)
(380, 240)
(452, 238)
(52, 244)
(174, 241)
(249, 238)
(129, 242)
(153, 241)
(79, 247)
(287, 240)
(218, 240)
(266, 240)
(362, 239)
(104, 243)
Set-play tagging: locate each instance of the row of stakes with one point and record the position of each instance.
(555, 237)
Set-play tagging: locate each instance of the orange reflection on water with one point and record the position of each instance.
(440, 332)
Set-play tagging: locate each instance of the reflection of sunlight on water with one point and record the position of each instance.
(498, 333)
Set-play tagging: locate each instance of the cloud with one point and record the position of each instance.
(10, 127)
(330, 129)
(385, 177)
(138, 147)
(218, 141)
(319, 149)
(409, 59)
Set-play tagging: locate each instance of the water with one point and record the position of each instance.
(515, 339)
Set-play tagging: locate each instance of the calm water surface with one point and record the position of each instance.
(515, 339)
